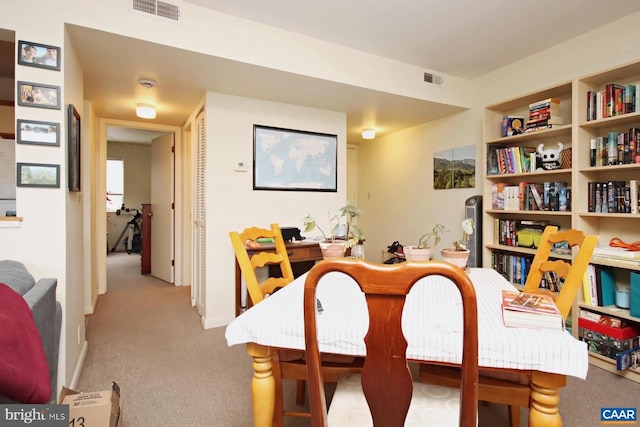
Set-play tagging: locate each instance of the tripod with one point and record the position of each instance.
(133, 227)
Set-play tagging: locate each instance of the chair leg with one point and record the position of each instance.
(514, 416)
(301, 386)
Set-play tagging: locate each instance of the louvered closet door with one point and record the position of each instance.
(199, 243)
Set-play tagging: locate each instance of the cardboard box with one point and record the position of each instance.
(94, 408)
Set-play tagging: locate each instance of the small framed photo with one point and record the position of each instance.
(38, 95)
(73, 142)
(38, 175)
(38, 55)
(38, 133)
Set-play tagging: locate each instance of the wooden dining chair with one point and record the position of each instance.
(510, 387)
(385, 392)
(288, 364)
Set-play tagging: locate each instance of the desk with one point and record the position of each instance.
(302, 256)
(434, 306)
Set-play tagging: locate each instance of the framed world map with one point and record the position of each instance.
(294, 160)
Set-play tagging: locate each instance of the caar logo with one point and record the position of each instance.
(618, 415)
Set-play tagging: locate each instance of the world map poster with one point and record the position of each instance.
(454, 168)
(285, 159)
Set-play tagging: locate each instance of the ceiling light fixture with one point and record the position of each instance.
(368, 133)
(146, 111)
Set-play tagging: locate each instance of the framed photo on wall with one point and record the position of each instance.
(38, 55)
(294, 160)
(38, 95)
(73, 142)
(38, 175)
(38, 133)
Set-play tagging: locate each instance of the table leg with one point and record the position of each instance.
(262, 385)
(545, 396)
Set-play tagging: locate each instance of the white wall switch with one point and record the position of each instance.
(240, 166)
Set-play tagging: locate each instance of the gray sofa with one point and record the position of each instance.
(47, 312)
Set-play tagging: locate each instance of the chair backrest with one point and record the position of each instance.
(386, 379)
(572, 273)
(249, 260)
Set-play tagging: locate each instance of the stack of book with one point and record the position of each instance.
(525, 310)
(610, 337)
(614, 254)
(544, 114)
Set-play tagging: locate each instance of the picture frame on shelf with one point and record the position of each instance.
(294, 160)
(73, 144)
(39, 55)
(38, 133)
(38, 175)
(38, 95)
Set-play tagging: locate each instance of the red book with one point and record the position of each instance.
(618, 333)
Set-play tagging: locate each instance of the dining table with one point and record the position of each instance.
(432, 325)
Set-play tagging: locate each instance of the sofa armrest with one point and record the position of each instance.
(42, 301)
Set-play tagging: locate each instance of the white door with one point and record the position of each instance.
(162, 197)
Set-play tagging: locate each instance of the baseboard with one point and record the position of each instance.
(217, 322)
(78, 370)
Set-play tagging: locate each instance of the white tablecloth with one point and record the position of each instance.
(432, 323)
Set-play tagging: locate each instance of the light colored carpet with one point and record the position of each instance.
(146, 336)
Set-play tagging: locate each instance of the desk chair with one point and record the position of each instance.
(288, 364)
(508, 387)
(385, 392)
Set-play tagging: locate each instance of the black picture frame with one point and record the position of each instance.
(294, 160)
(37, 133)
(37, 175)
(39, 55)
(38, 95)
(74, 143)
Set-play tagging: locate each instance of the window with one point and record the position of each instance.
(115, 184)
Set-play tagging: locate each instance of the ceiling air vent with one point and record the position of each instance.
(157, 8)
(433, 79)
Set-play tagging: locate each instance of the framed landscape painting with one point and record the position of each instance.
(454, 168)
(294, 160)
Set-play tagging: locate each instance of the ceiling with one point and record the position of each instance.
(447, 36)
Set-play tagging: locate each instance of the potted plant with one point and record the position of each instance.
(459, 254)
(422, 252)
(335, 240)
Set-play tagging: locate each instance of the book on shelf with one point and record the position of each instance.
(604, 319)
(616, 252)
(628, 359)
(525, 310)
(512, 125)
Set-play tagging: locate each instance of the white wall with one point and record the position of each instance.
(231, 202)
(399, 210)
(137, 185)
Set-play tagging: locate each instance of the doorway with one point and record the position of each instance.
(108, 128)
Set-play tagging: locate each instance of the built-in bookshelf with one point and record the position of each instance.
(619, 168)
(578, 129)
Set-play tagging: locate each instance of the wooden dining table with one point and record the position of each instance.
(432, 324)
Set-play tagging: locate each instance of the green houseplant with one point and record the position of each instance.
(334, 240)
(422, 251)
(459, 254)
